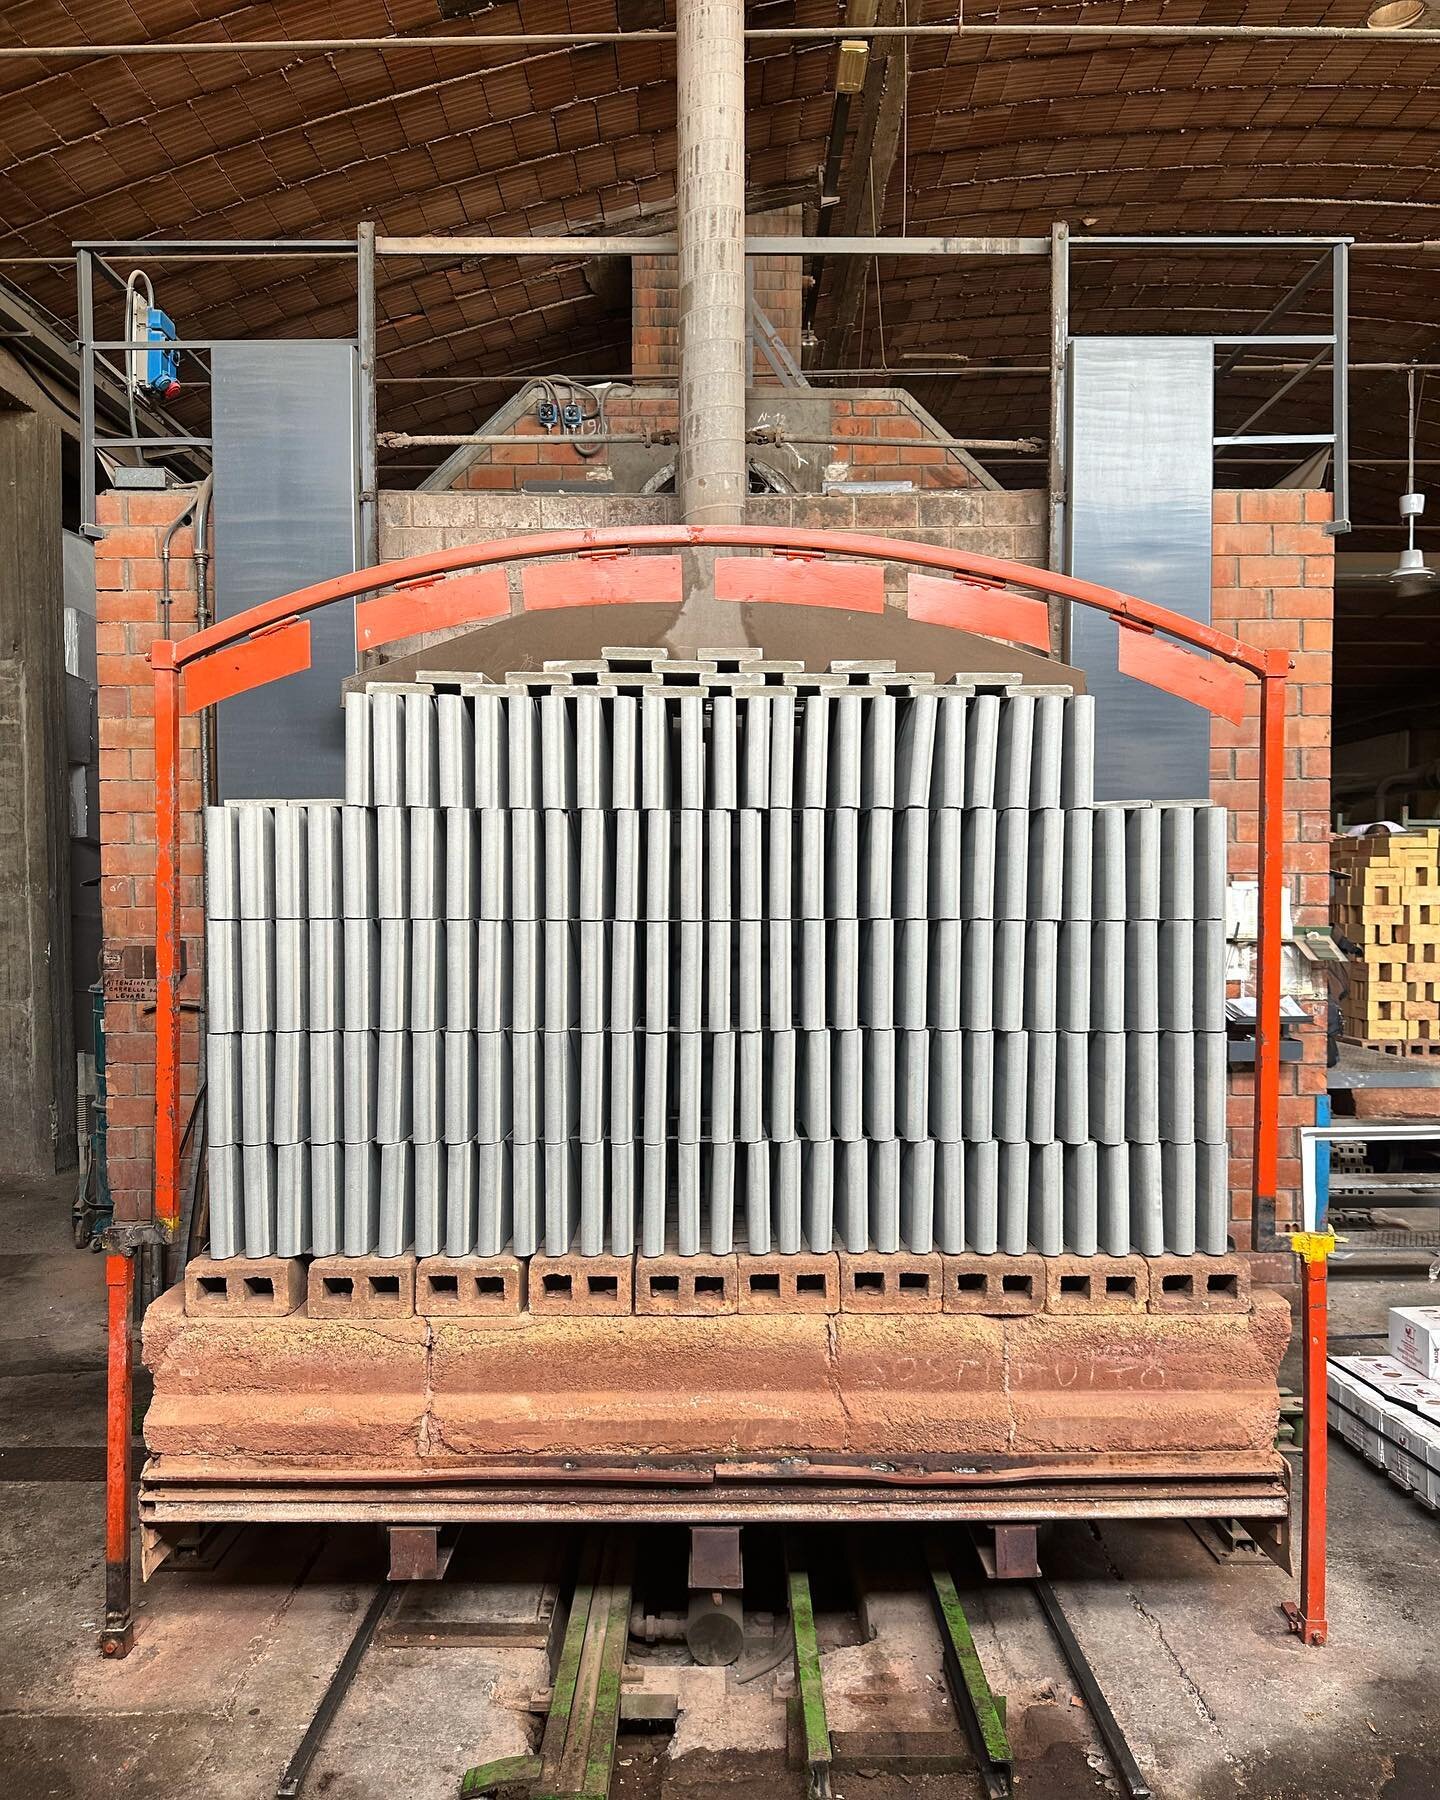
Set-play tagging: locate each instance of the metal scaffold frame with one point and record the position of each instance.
(95, 262)
(468, 585)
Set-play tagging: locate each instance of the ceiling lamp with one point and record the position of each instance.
(1412, 575)
(1396, 15)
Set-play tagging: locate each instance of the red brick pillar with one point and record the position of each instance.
(654, 317)
(128, 582)
(1274, 581)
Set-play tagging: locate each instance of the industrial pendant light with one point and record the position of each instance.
(1412, 575)
(1397, 15)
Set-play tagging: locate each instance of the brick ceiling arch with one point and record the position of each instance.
(1000, 135)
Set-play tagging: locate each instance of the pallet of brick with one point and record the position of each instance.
(1387, 900)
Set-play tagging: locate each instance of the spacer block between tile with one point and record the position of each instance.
(361, 1287)
(997, 1286)
(581, 1286)
(253, 1287)
(469, 1287)
(1097, 1284)
(894, 1282)
(692, 1286)
(807, 1282)
(1199, 1284)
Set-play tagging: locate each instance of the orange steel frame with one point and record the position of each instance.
(946, 587)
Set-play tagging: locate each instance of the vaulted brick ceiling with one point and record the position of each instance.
(1000, 136)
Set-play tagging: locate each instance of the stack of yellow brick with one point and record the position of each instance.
(1387, 900)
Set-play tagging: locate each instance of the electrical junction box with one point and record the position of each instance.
(162, 365)
(154, 372)
(1415, 1339)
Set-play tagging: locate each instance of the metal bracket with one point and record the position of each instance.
(417, 1554)
(1009, 1554)
(715, 1565)
(131, 1235)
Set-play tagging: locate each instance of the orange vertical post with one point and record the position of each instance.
(167, 937)
(118, 1634)
(1307, 1620)
(1269, 946)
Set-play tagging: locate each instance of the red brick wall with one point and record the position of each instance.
(778, 283)
(128, 607)
(1274, 573)
(860, 431)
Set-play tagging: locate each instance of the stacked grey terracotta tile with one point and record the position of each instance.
(655, 955)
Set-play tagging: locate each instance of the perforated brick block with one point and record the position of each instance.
(997, 1286)
(256, 1287)
(896, 1283)
(579, 1286)
(1096, 1284)
(1209, 1284)
(361, 1287)
(469, 1287)
(804, 1283)
(685, 1285)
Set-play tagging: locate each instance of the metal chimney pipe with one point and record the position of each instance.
(710, 178)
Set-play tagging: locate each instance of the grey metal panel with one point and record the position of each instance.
(1139, 519)
(915, 752)
(283, 424)
(359, 769)
(327, 1087)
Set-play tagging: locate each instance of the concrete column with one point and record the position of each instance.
(710, 75)
(37, 1045)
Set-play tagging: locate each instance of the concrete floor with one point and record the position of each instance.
(1216, 1698)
